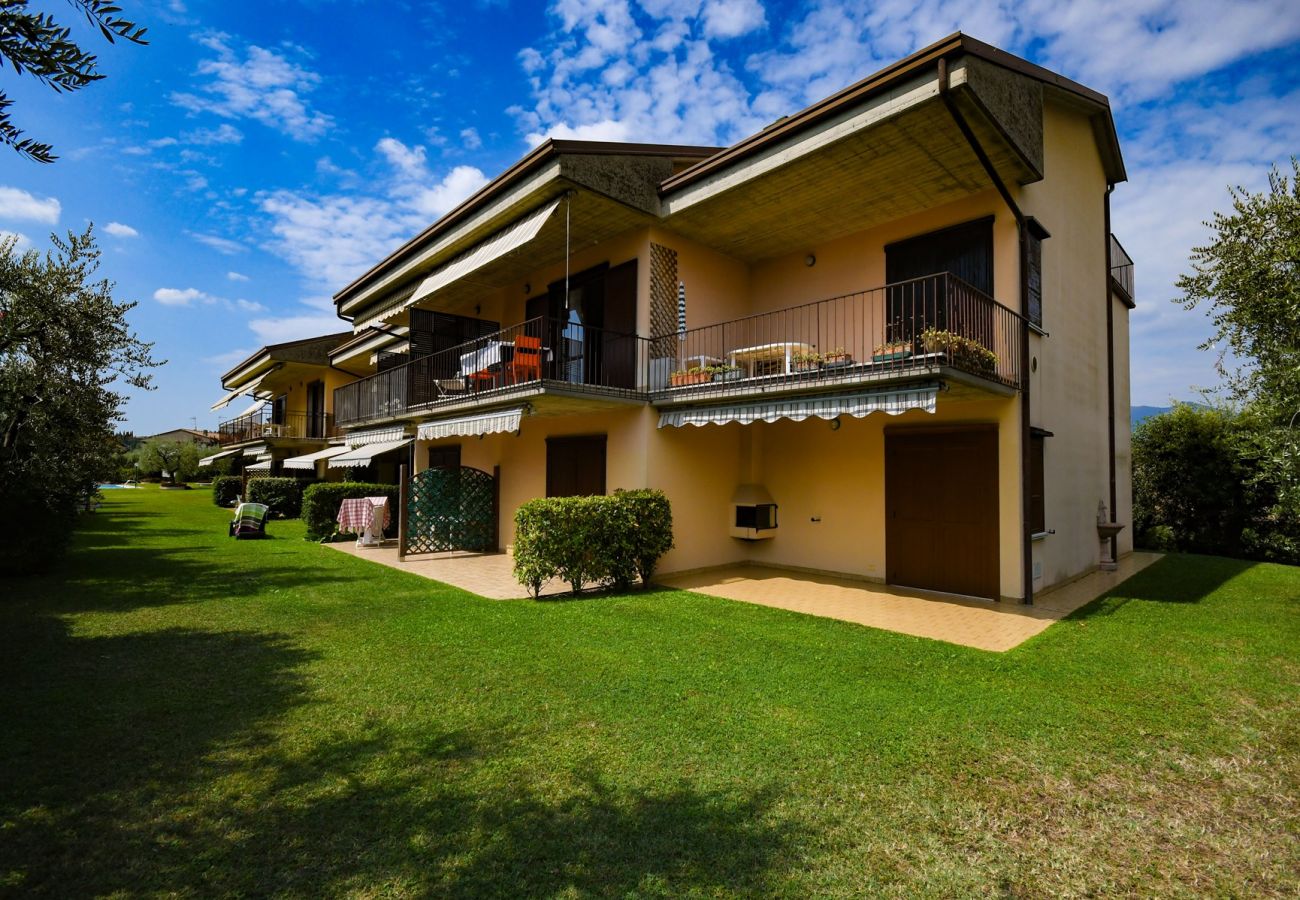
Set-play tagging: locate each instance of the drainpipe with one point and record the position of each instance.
(1027, 544)
(1110, 375)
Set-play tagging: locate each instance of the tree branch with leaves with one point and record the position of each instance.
(35, 44)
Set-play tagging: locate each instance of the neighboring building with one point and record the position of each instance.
(176, 435)
(886, 336)
(292, 387)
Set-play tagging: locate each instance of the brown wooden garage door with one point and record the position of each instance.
(941, 510)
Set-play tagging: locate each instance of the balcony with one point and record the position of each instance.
(936, 326)
(263, 425)
(535, 356)
(1121, 268)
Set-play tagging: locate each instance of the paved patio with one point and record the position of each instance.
(982, 624)
(486, 574)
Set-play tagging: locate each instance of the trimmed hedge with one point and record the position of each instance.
(283, 495)
(590, 541)
(226, 490)
(320, 505)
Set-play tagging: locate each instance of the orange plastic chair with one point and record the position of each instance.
(527, 362)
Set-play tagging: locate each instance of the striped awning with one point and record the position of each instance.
(264, 466)
(797, 409)
(503, 421)
(362, 456)
(257, 450)
(498, 245)
(209, 460)
(375, 436)
(249, 388)
(308, 461)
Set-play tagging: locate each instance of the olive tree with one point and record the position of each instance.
(65, 345)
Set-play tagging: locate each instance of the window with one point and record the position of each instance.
(1037, 234)
(447, 457)
(1037, 504)
(918, 302)
(575, 466)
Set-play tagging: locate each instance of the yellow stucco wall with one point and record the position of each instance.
(1068, 390)
(814, 472)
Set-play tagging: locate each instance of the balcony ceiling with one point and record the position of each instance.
(912, 160)
(592, 219)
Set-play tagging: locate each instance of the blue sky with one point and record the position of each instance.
(257, 155)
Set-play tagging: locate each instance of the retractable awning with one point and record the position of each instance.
(375, 436)
(362, 456)
(856, 405)
(249, 388)
(308, 460)
(209, 460)
(498, 245)
(259, 467)
(503, 421)
(257, 405)
(258, 450)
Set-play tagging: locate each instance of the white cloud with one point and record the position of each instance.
(259, 84)
(225, 133)
(223, 361)
(117, 229)
(333, 238)
(732, 18)
(606, 76)
(236, 276)
(22, 243)
(249, 306)
(218, 243)
(469, 139)
(15, 203)
(179, 296)
(291, 328)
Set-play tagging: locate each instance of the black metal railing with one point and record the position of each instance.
(265, 424)
(1121, 266)
(920, 324)
(538, 350)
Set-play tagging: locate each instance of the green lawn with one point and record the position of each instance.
(184, 714)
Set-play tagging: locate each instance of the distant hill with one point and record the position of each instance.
(1140, 413)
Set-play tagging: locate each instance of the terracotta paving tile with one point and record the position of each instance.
(973, 623)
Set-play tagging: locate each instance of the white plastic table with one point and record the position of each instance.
(782, 350)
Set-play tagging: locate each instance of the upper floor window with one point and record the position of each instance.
(1037, 234)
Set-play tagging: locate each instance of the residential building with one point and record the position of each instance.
(292, 387)
(886, 336)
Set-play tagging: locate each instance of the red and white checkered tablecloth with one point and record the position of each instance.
(355, 512)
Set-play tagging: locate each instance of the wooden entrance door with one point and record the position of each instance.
(941, 510)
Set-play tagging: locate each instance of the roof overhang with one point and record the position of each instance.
(309, 351)
(626, 175)
(961, 51)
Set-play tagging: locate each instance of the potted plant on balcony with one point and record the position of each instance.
(693, 375)
(892, 351)
(725, 372)
(837, 358)
(809, 361)
(962, 352)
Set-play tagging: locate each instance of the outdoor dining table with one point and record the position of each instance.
(358, 515)
(783, 351)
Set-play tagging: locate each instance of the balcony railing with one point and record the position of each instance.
(1121, 266)
(264, 424)
(911, 326)
(576, 356)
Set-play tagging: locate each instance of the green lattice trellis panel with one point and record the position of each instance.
(451, 509)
